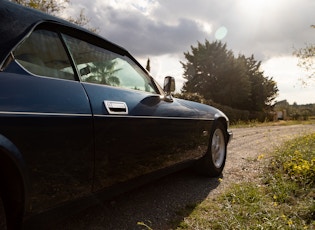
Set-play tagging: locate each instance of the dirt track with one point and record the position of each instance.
(159, 205)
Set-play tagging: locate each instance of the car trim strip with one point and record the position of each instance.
(101, 116)
(154, 117)
(45, 114)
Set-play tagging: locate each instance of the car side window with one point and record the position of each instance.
(43, 53)
(101, 66)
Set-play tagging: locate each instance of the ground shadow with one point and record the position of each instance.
(161, 204)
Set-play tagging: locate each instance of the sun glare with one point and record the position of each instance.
(205, 26)
(144, 6)
(253, 5)
(258, 8)
(221, 33)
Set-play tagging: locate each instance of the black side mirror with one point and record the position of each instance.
(169, 87)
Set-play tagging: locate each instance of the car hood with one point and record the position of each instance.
(202, 111)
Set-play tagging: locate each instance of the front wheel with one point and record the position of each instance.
(213, 162)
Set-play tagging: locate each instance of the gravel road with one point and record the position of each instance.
(159, 204)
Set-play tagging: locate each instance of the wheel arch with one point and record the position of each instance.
(224, 122)
(13, 176)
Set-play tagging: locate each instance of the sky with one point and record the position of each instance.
(163, 30)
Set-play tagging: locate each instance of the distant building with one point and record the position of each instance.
(280, 108)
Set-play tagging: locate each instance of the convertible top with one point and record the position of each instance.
(16, 21)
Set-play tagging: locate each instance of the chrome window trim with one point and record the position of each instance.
(42, 76)
(46, 114)
(102, 115)
(153, 117)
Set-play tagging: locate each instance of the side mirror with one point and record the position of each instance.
(169, 87)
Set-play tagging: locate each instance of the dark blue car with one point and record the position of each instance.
(80, 118)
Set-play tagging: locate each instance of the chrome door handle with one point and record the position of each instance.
(116, 107)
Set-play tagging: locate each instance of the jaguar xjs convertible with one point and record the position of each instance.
(81, 118)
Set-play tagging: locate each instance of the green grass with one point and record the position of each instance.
(283, 199)
(255, 123)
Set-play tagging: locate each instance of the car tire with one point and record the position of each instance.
(3, 221)
(213, 162)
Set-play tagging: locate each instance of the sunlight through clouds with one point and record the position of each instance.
(205, 26)
(144, 6)
(163, 30)
(256, 8)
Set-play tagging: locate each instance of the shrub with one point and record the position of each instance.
(300, 161)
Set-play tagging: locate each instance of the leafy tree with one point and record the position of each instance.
(306, 57)
(148, 67)
(104, 73)
(306, 61)
(209, 67)
(213, 72)
(48, 6)
(263, 90)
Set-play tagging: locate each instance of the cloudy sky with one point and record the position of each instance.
(163, 30)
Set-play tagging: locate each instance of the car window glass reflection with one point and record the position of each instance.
(42, 53)
(101, 66)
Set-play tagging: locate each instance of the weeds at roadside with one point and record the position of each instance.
(284, 199)
(255, 123)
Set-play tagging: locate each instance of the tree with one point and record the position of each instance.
(208, 71)
(263, 90)
(148, 67)
(103, 73)
(306, 57)
(48, 6)
(213, 72)
(54, 7)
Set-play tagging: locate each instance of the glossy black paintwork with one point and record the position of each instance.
(63, 140)
(154, 135)
(49, 121)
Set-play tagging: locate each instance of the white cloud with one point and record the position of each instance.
(143, 6)
(287, 74)
(166, 65)
(161, 29)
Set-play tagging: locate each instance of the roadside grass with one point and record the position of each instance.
(255, 123)
(283, 198)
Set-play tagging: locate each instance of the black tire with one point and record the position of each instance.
(10, 213)
(11, 205)
(3, 221)
(213, 162)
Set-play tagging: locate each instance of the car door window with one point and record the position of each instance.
(43, 53)
(101, 66)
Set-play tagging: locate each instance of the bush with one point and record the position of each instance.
(234, 115)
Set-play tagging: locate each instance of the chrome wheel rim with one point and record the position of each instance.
(218, 148)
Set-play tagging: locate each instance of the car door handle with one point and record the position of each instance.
(116, 107)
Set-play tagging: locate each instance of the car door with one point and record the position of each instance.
(136, 131)
(45, 112)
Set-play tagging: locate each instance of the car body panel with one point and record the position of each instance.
(71, 139)
(50, 122)
(155, 134)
